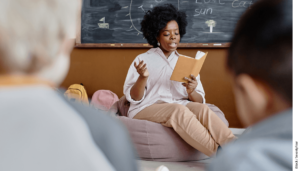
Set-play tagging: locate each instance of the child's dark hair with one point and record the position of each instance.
(262, 46)
(157, 18)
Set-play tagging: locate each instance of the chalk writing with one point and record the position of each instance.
(241, 4)
(209, 1)
(203, 11)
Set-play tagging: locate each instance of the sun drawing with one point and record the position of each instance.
(141, 8)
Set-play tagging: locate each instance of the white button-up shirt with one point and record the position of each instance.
(159, 87)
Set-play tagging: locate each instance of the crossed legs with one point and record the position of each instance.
(195, 123)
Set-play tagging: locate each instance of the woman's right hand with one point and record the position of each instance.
(141, 68)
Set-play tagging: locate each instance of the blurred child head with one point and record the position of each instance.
(260, 60)
(35, 37)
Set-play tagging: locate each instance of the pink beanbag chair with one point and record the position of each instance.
(159, 143)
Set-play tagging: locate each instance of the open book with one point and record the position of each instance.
(186, 66)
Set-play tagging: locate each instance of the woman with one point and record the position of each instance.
(154, 97)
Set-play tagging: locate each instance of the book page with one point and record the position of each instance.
(199, 55)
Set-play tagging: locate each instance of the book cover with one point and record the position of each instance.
(186, 66)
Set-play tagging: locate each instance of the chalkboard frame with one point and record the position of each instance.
(78, 43)
(143, 45)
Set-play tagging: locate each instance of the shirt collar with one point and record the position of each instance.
(161, 53)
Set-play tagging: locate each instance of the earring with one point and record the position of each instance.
(158, 43)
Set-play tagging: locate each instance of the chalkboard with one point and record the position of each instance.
(117, 22)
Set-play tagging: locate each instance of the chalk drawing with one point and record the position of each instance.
(211, 24)
(132, 24)
(131, 19)
(103, 25)
(142, 8)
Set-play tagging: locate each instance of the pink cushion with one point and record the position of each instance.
(104, 99)
(159, 143)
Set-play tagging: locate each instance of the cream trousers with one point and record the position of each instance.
(195, 123)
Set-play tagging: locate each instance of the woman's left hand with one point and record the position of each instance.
(191, 85)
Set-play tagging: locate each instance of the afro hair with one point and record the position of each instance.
(157, 18)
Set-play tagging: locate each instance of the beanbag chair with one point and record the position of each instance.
(155, 142)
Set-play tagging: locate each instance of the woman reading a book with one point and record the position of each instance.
(154, 97)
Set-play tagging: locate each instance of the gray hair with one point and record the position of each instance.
(31, 32)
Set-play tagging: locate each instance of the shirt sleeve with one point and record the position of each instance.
(199, 88)
(131, 78)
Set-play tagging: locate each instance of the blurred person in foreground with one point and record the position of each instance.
(39, 129)
(260, 63)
